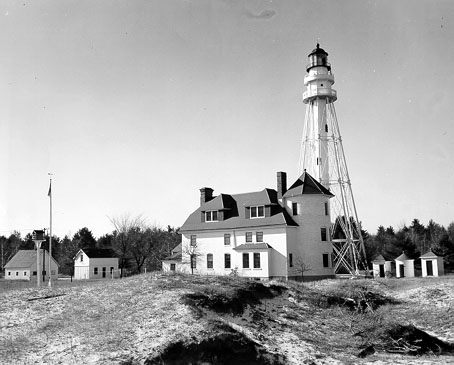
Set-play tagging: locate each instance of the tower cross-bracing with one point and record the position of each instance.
(322, 156)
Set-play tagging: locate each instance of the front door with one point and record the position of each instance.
(402, 270)
(429, 267)
(382, 271)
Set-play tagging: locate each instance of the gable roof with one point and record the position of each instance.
(379, 258)
(175, 257)
(306, 184)
(98, 253)
(429, 255)
(235, 205)
(177, 249)
(25, 259)
(403, 257)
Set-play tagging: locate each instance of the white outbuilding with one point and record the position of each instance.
(173, 262)
(378, 266)
(23, 266)
(405, 266)
(431, 264)
(95, 263)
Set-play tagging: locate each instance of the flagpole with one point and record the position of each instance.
(50, 231)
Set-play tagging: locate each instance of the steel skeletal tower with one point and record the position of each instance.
(322, 156)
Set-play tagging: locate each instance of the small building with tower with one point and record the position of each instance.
(95, 263)
(23, 266)
(283, 233)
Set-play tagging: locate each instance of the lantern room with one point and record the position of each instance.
(38, 235)
(318, 57)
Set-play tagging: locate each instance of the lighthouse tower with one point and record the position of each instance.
(322, 156)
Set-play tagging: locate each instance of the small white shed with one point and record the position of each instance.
(405, 266)
(96, 263)
(380, 267)
(431, 264)
(173, 262)
(23, 266)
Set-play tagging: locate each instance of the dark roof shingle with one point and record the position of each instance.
(236, 205)
(98, 253)
(24, 258)
(306, 184)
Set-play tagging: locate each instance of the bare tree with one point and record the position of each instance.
(125, 239)
(191, 252)
(301, 266)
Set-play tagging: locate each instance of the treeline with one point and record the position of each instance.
(415, 240)
(137, 245)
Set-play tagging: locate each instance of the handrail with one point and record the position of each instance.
(321, 91)
(314, 64)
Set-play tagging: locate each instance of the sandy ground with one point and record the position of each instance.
(130, 320)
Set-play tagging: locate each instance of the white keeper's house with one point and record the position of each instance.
(95, 263)
(265, 234)
(23, 266)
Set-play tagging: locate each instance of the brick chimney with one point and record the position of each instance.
(281, 184)
(206, 194)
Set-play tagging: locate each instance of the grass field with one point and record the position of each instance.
(149, 318)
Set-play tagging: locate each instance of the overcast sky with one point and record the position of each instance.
(136, 105)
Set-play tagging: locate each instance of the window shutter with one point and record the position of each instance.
(203, 217)
(220, 215)
(247, 213)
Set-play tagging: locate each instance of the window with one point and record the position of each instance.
(248, 236)
(103, 272)
(326, 128)
(323, 234)
(34, 273)
(210, 261)
(326, 208)
(172, 267)
(227, 239)
(95, 271)
(245, 260)
(211, 216)
(258, 211)
(295, 208)
(193, 240)
(81, 258)
(325, 260)
(112, 270)
(25, 273)
(9, 273)
(193, 262)
(257, 260)
(227, 261)
(259, 236)
(17, 273)
(290, 259)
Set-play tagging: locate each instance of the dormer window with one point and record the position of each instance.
(258, 211)
(211, 216)
(81, 258)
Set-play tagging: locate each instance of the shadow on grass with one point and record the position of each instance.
(233, 301)
(225, 346)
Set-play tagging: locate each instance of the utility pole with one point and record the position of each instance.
(49, 194)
